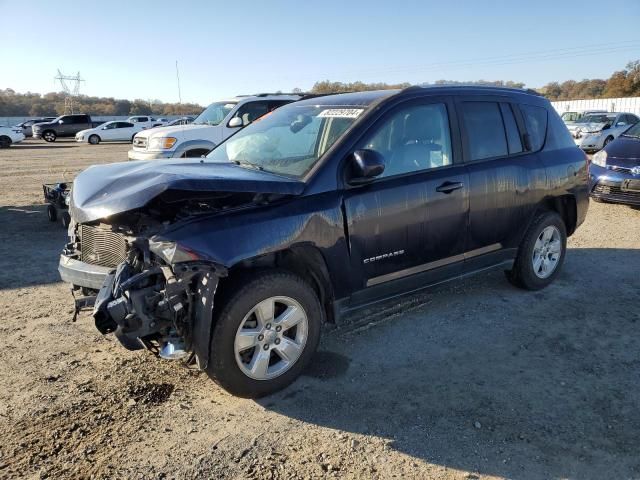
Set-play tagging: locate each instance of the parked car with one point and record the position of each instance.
(10, 135)
(569, 118)
(180, 121)
(614, 172)
(116, 131)
(63, 126)
(25, 127)
(146, 121)
(593, 132)
(324, 206)
(217, 122)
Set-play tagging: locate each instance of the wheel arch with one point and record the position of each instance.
(564, 205)
(304, 260)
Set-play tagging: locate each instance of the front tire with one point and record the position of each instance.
(49, 136)
(5, 142)
(265, 334)
(94, 139)
(541, 253)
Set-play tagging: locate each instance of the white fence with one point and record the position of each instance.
(628, 105)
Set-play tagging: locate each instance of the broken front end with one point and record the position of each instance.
(153, 293)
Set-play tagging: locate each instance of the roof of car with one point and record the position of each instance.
(366, 98)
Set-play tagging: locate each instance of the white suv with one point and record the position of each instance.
(217, 122)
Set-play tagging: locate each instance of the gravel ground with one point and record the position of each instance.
(474, 379)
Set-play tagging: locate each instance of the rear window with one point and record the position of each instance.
(485, 130)
(535, 120)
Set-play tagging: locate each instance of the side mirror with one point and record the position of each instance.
(364, 166)
(620, 124)
(60, 122)
(235, 122)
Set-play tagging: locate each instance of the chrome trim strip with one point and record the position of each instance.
(443, 262)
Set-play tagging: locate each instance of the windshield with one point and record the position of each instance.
(570, 116)
(288, 141)
(633, 131)
(214, 113)
(598, 119)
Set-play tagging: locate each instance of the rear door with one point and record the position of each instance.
(504, 178)
(412, 219)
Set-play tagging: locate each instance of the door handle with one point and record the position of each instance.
(448, 187)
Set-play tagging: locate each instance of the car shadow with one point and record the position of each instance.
(22, 146)
(479, 376)
(30, 246)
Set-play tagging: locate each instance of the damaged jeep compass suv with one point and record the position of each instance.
(323, 206)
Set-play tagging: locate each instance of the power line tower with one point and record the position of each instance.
(71, 86)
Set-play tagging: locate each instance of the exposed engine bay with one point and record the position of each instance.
(158, 295)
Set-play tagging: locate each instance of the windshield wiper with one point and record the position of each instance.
(248, 165)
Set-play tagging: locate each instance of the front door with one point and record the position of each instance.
(412, 219)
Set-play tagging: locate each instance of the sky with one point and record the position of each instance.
(129, 49)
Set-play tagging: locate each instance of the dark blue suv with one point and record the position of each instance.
(325, 205)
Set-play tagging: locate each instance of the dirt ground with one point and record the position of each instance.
(474, 379)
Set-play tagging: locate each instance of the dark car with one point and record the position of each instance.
(318, 208)
(614, 172)
(63, 126)
(27, 126)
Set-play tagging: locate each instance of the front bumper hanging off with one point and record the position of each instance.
(165, 309)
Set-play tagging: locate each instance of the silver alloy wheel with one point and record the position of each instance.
(49, 137)
(547, 251)
(271, 338)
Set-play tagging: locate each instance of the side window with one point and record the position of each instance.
(80, 119)
(513, 135)
(535, 119)
(632, 119)
(111, 126)
(412, 139)
(252, 110)
(125, 125)
(485, 130)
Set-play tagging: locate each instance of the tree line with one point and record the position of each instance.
(13, 104)
(623, 83)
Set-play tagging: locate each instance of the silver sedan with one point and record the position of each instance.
(593, 132)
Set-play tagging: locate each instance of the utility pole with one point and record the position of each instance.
(71, 89)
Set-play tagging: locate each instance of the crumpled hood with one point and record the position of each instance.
(104, 190)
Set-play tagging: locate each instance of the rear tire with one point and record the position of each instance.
(49, 136)
(272, 334)
(5, 142)
(94, 139)
(541, 253)
(52, 213)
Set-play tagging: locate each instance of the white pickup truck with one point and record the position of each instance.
(217, 122)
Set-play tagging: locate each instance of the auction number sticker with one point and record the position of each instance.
(341, 113)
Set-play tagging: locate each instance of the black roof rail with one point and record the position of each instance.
(414, 88)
